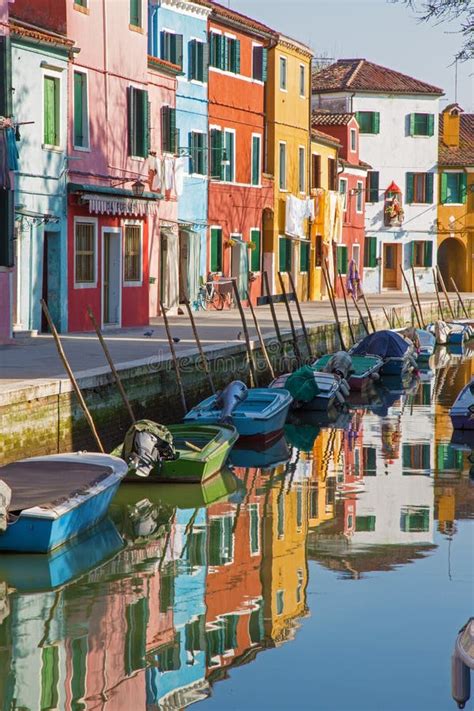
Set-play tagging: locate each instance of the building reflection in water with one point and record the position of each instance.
(152, 610)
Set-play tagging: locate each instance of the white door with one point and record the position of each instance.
(111, 277)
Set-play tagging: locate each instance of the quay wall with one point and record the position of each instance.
(45, 417)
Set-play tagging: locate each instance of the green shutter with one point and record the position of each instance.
(223, 52)
(178, 39)
(430, 124)
(51, 111)
(173, 134)
(409, 187)
(216, 249)
(463, 187)
(358, 119)
(341, 260)
(264, 64)
(444, 188)
(304, 256)
(216, 153)
(283, 254)
(412, 253)
(429, 188)
(165, 128)
(49, 678)
(5, 77)
(412, 124)
(131, 121)
(256, 255)
(375, 122)
(428, 254)
(135, 18)
(255, 160)
(192, 59)
(372, 261)
(237, 56)
(78, 109)
(373, 179)
(205, 62)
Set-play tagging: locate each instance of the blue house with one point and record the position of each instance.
(39, 78)
(179, 35)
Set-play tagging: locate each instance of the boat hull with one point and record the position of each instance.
(462, 421)
(394, 366)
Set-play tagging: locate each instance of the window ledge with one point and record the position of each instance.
(82, 149)
(136, 28)
(53, 149)
(81, 8)
(129, 284)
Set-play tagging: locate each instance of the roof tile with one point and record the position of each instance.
(463, 154)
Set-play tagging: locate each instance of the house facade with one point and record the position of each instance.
(351, 176)
(456, 198)
(6, 191)
(398, 124)
(177, 34)
(239, 191)
(288, 105)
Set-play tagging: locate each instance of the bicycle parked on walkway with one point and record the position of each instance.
(210, 295)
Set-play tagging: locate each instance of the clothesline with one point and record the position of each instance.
(167, 175)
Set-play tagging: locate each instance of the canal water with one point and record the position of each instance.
(329, 573)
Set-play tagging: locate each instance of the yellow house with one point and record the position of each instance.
(456, 198)
(324, 155)
(288, 108)
(284, 569)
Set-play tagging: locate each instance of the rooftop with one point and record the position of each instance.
(321, 136)
(463, 154)
(327, 118)
(226, 13)
(362, 75)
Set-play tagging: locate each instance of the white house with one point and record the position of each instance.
(398, 121)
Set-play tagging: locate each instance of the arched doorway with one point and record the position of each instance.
(452, 262)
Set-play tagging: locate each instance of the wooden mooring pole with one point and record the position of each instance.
(332, 300)
(417, 296)
(290, 318)
(260, 338)
(205, 362)
(459, 297)
(411, 296)
(253, 370)
(346, 306)
(175, 360)
(446, 296)
(273, 312)
(303, 325)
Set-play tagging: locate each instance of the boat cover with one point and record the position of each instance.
(302, 384)
(385, 344)
(339, 363)
(302, 437)
(49, 483)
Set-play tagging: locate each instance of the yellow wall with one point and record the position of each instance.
(288, 120)
(461, 264)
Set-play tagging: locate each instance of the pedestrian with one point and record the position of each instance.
(353, 280)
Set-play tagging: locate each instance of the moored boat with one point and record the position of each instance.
(395, 351)
(266, 457)
(462, 412)
(260, 415)
(310, 389)
(364, 369)
(56, 498)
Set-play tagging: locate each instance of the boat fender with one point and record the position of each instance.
(340, 397)
(344, 387)
(232, 395)
(5, 498)
(375, 376)
(460, 681)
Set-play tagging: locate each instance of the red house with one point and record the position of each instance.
(352, 175)
(239, 192)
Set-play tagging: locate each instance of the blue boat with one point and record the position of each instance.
(395, 351)
(56, 498)
(460, 333)
(462, 411)
(246, 457)
(35, 572)
(260, 415)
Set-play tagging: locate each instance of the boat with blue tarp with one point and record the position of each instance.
(396, 352)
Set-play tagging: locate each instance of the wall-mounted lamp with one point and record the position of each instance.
(138, 188)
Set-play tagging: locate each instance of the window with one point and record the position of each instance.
(316, 171)
(353, 140)
(256, 624)
(256, 159)
(301, 170)
(448, 458)
(50, 678)
(85, 252)
(217, 146)
(365, 524)
(221, 540)
(216, 249)
(81, 110)
(369, 121)
(254, 529)
(360, 196)
(453, 188)
(282, 166)
(370, 252)
(343, 191)
(369, 459)
(421, 254)
(416, 456)
(280, 601)
(78, 656)
(137, 615)
(138, 122)
(356, 257)
(256, 256)
(51, 99)
(341, 259)
(169, 134)
(229, 170)
(302, 81)
(198, 60)
(332, 176)
(299, 507)
(136, 13)
(259, 63)
(299, 585)
(372, 186)
(304, 256)
(415, 519)
(132, 261)
(283, 70)
(419, 188)
(172, 48)
(421, 124)
(197, 150)
(224, 53)
(81, 3)
(285, 254)
(319, 251)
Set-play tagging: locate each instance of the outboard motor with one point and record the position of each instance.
(340, 364)
(5, 498)
(146, 445)
(227, 400)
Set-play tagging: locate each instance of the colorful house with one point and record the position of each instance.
(324, 160)
(288, 106)
(239, 191)
(398, 124)
(6, 195)
(40, 59)
(352, 176)
(456, 198)
(177, 35)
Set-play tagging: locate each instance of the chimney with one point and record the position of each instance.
(451, 125)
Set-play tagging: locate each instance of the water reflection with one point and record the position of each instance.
(154, 607)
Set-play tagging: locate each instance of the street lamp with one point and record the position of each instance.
(138, 188)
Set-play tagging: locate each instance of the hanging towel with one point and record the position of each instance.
(11, 149)
(309, 211)
(179, 170)
(295, 216)
(168, 172)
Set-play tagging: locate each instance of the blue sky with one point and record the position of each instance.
(383, 32)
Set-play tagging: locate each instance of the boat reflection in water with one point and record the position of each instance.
(200, 582)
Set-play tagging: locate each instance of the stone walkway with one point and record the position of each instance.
(35, 360)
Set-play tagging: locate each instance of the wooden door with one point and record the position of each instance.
(390, 266)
